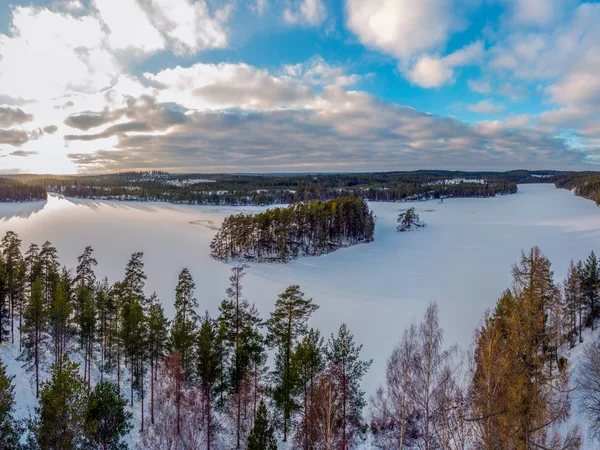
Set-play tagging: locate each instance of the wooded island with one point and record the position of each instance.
(302, 229)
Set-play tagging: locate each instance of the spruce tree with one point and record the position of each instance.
(60, 416)
(185, 323)
(106, 420)
(343, 357)
(286, 326)
(262, 436)
(10, 428)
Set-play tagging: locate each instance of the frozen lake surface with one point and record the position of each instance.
(461, 260)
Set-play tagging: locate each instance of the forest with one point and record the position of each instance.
(302, 229)
(15, 191)
(97, 351)
(584, 184)
(261, 189)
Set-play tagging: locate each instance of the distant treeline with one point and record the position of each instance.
(15, 191)
(584, 184)
(302, 229)
(244, 189)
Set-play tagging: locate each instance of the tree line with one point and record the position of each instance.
(15, 191)
(301, 229)
(238, 189)
(584, 184)
(94, 350)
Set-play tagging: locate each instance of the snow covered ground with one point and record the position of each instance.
(461, 260)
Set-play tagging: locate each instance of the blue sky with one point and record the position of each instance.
(296, 85)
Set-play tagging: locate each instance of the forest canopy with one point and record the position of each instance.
(302, 229)
(15, 191)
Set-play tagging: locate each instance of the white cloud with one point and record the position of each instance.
(480, 86)
(403, 28)
(487, 107)
(431, 71)
(63, 52)
(537, 12)
(309, 12)
(189, 26)
(129, 26)
(261, 6)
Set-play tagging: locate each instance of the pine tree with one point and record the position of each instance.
(102, 301)
(574, 300)
(4, 306)
(85, 307)
(106, 420)
(33, 270)
(185, 323)
(286, 326)
(262, 436)
(208, 359)
(133, 328)
(343, 356)
(32, 330)
(114, 345)
(87, 329)
(60, 417)
(59, 313)
(135, 277)
(308, 362)
(49, 266)
(10, 428)
(239, 325)
(134, 337)
(158, 334)
(590, 286)
(14, 274)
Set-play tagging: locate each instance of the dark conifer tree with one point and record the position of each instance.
(590, 286)
(348, 369)
(239, 332)
(14, 274)
(308, 361)
(185, 323)
(158, 335)
(49, 266)
(286, 326)
(32, 330)
(208, 359)
(10, 428)
(262, 436)
(106, 420)
(60, 417)
(59, 319)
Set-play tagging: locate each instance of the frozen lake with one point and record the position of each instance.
(462, 258)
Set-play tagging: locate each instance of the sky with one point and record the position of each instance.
(91, 86)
